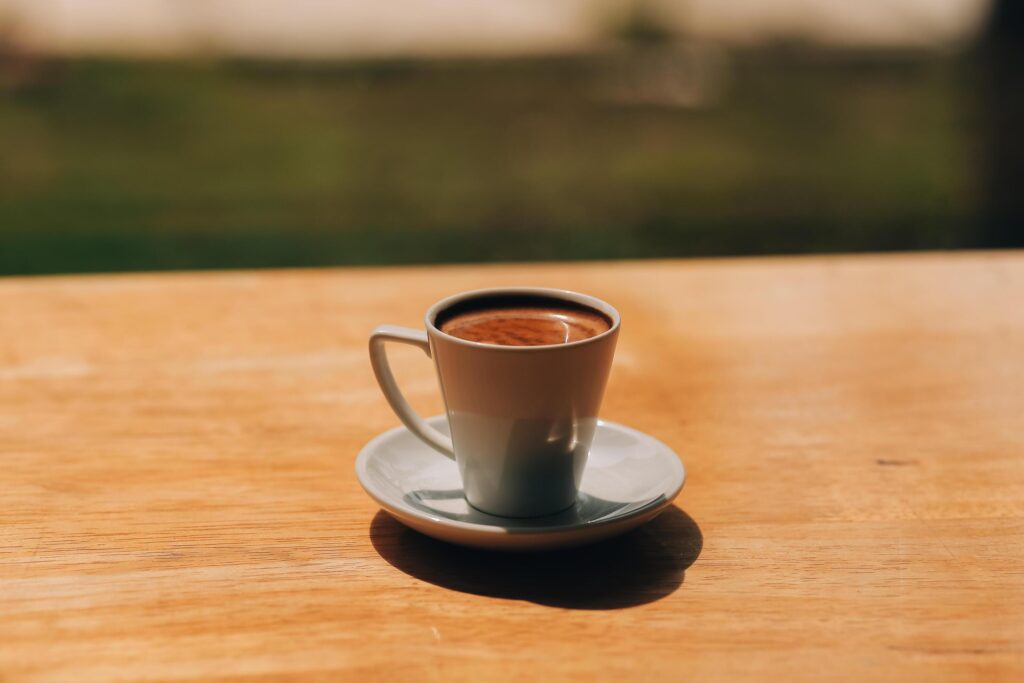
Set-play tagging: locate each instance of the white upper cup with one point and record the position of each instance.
(521, 418)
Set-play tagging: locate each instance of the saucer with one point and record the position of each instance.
(630, 478)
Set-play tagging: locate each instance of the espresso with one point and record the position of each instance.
(522, 321)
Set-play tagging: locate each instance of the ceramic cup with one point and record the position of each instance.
(521, 418)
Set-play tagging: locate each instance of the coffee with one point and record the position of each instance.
(522, 321)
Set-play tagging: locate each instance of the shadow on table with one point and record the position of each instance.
(639, 567)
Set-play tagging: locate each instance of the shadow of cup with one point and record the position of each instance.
(642, 566)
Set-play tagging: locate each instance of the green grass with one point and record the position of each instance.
(170, 165)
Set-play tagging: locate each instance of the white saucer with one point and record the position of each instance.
(630, 478)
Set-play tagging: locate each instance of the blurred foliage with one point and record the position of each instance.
(208, 164)
(641, 24)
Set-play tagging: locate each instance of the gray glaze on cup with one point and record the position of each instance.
(522, 418)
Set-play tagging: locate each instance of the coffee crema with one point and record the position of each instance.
(522, 321)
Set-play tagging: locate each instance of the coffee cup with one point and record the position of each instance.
(522, 372)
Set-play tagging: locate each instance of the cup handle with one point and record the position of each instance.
(379, 360)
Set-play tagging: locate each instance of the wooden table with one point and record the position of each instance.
(178, 498)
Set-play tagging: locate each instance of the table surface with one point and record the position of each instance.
(179, 500)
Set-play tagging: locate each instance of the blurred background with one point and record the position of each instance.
(182, 134)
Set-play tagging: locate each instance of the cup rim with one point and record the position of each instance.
(552, 292)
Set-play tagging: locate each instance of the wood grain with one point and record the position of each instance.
(178, 499)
